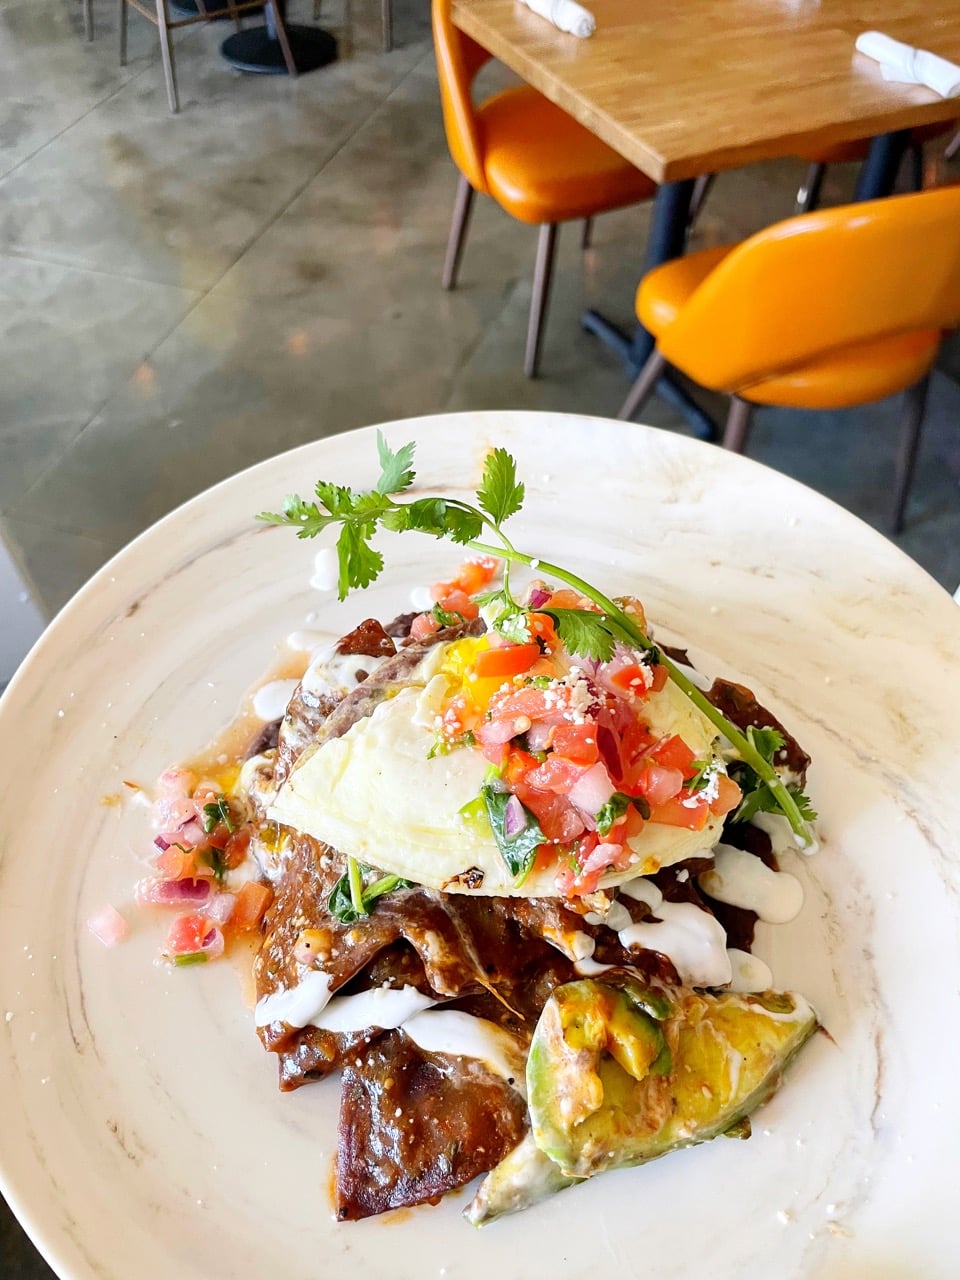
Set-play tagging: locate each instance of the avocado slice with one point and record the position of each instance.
(620, 1074)
(523, 1178)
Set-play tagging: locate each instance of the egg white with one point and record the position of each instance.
(375, 795)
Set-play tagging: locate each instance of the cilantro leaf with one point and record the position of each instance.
(446, 617)
(360, 564)
(520, 850)
(305, 517)
(610, 813)
(396, 469)
(766, 741)
(762, 800)
(501, 493)
(341, 904)
(513, 624)
(217, 812)
(436, 516)
(583, 632)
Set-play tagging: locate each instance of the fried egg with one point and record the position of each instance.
(377, 795)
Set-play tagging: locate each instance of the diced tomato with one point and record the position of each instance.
(423, 625)
(657, 783)
(505, 660)
(576, 742)
(682, 811)
(557, 817)
(543, 628)
(235, 849)
(459, 602)
(551, 705)
(567, 599)
(631, 679)
(518, 765)
(178, 864)
(187, 934)
(556, 774)
(252, 901)
(728, 797)
(471, 577)
(675, 754)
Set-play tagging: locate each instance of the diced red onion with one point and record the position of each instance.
(220, 907)
(514, 818)
(108, 926)
(213, 944)
(592, 790)
(162, 843)
(192, 834)
(604, 855)
(172, 893)
(538, 735)
(537, 597)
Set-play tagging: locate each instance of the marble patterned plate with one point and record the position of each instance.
(143, 1136)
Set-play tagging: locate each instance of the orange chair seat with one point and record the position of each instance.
(847, 376)
(542, 166)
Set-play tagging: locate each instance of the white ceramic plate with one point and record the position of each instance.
(143, 1136)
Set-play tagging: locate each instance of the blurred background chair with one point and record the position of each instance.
(856, 151)
(824, 311)
(157, 12)
(533, 159)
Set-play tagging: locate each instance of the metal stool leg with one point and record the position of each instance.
(88, 20)
(916, 166)
(808, 197)
(586, 233)
(123, 32)
(542, 277)
(643, 387)
(166, 55)
(914, 408)
(738, 425)
(386, 24)
(458, 232)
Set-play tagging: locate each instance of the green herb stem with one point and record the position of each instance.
(623, 623)
(356, 887)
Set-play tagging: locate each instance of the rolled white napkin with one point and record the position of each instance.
(903, 64)
(566, 15)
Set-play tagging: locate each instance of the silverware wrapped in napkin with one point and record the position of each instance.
(903, 64)
(566, 15)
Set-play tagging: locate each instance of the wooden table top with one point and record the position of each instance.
(683, 87)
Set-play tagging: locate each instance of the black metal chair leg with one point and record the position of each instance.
(737, 430)
(586, 233)
(916, 166)
(643, 387)
(123, 32)
(914, 408)
(808, 197)
(542, 277)
(458, 232)
(386, 24)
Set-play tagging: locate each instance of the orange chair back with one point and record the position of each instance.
(458, 60)
(820, 282)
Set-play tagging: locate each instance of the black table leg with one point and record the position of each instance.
(667, 239)
(260, 49)
(879, 171)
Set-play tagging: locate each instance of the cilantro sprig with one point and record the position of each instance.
(590, 633)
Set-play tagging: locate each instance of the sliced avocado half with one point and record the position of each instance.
(619, 1075)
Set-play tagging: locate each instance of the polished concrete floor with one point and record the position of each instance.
(182, 296)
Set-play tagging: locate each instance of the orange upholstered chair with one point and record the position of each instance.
(536, 161)
(824, 311)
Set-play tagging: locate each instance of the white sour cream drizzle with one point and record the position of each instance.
(460, 1035)
(691, 939)
(749, 972)
(332, 672)
(270, 700)
(782, 835)
(298, 1007)
(326, 570)
(742, 880)
(446, 1031)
